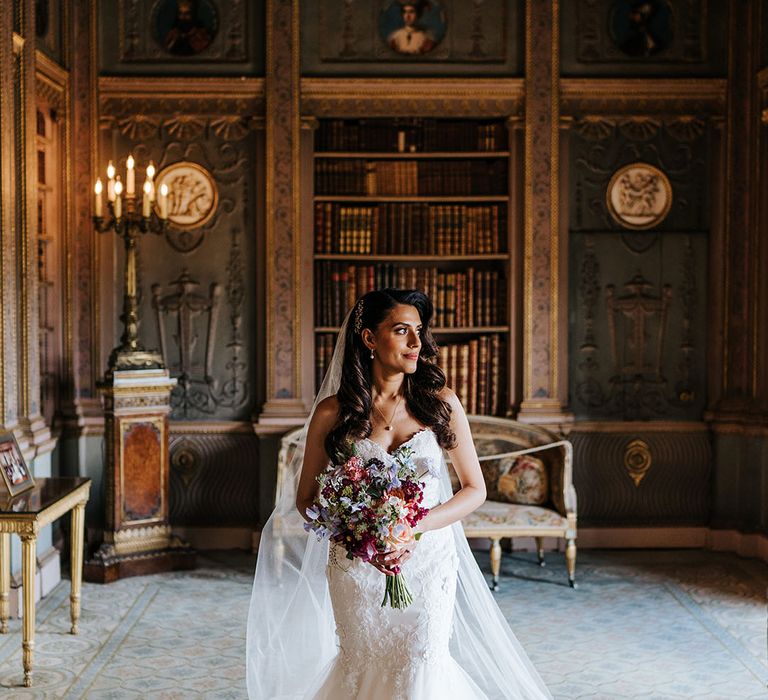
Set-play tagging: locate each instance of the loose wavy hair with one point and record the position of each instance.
(420, 389)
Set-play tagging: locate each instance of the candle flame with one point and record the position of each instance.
(111, 171)
(98, 186)
(147, 187)
(130, 162)
(164, 190)
(118, 187)
(150, 170)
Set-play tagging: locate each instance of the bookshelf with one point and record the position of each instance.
(419, 203)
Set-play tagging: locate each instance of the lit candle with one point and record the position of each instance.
(130, 177)
(111, 182)
(97, 190)
(145, 200)
(118, 198)
(163, 201)
(150, 178)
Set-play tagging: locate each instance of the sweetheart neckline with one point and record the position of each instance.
(401, 445)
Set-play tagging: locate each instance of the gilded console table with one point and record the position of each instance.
(25, 514)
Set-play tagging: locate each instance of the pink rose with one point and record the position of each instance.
(400, 535)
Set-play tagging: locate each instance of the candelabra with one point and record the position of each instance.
(137, 537)
(129, 223)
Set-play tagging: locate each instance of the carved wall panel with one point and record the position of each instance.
(741, 456)
(49, 21)
(213, 479)
(210, 36)
(637, 337)
(683, 37)
(197, 290)
(447, 37)
(678, 147)
(674, 489)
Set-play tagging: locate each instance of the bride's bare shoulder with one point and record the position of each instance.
(449, 396)
(328, 408)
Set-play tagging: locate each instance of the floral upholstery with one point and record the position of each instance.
(542, 477)
(524, 480)
(503, 517)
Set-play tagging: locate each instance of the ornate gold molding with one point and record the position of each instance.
(621, 96)
(213, 428)
(18, 43)
(354, 97)
(126, 96)
(633, 427)
(762, 78)
(637, 460)
(51, 82)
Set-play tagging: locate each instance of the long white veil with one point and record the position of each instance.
(291, 635)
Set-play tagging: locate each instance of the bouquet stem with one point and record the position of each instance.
(396, 591)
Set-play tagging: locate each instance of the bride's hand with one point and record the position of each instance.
(399, 556)
(381, 563)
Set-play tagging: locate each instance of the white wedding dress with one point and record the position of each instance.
(316, 629)
(390, 654)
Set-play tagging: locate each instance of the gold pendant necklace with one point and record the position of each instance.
(388, 423)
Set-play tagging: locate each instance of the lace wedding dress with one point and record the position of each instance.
(316, 629)
(390, 654)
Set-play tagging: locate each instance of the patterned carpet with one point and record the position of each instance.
(649, 624)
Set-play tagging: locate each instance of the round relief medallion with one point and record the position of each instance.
(639, 196)
(192, 194)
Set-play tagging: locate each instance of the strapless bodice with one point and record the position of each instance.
(426, 453)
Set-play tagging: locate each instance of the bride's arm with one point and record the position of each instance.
(467, 467)
(315, 458)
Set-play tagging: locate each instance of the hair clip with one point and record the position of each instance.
(359, 317)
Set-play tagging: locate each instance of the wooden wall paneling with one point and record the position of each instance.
(26, 199)
(54, 195)
(51, 18)
(287, 401)
(544, 380)
(201, 278)
(214, 472)
(225, 38)
(82, 322)
(684, 38)
(761, 259)
(739, 240)
(628, 367)
(347, 38)
(651, 473)
(8, 296)
(516, 131)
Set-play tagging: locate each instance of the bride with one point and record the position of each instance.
(316, 625)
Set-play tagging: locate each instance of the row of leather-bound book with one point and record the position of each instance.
(409, 135)
(429, 178)
(398, 228)
(473, 369)
(468, 298)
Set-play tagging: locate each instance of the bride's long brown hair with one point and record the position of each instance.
(420, 389)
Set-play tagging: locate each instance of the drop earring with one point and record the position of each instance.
(371, 353)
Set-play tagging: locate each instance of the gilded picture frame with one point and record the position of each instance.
(192, 194)
(639, 196)
(16, 476)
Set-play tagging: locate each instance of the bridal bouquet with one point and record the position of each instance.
(370, 508)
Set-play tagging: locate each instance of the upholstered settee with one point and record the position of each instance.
(548, 502)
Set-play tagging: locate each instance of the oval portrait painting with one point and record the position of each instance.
(641, 28)
(185, 27)
(412, 28)
(639, 196)
(192, 194)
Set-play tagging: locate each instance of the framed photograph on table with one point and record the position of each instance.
(16, 476)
